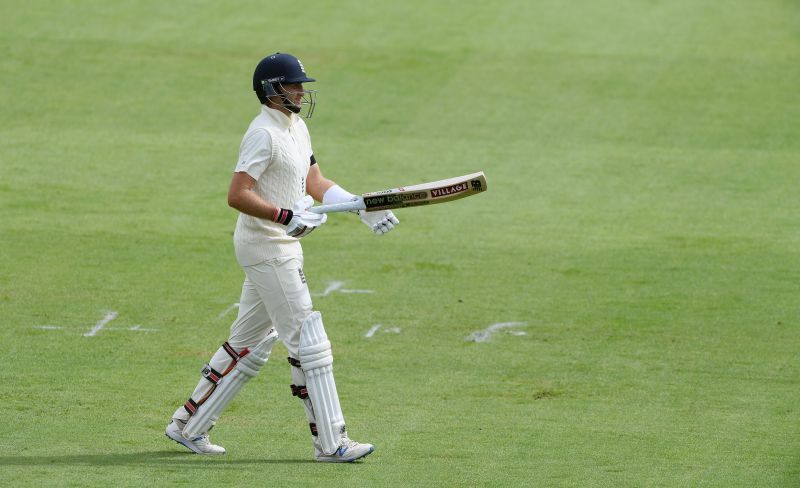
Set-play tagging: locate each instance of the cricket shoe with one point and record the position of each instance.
(348, 451)
(199, 444)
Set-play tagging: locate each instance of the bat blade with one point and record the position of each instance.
(412, 196)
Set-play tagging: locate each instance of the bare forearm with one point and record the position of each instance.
(248, 202)
(316, 183)
(317, 188)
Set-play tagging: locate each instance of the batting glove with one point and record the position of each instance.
(380, 222)
(302, 222)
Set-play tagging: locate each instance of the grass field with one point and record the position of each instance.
(642, 226)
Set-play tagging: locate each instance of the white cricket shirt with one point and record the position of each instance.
(276, 151)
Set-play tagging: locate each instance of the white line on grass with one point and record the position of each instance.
(485, 334)
(101, 325)
(98, 326)
(332, 287)
(371, 332)
(228, 310)
(337, 286)
(135, 328)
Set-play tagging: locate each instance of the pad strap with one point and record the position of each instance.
(191, 406)
(235, 356)
(299, 391)
(231, 352)
(294, 362)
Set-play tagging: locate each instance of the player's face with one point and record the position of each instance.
(293, 98)
(294, 92)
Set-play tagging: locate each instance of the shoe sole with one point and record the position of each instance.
(362, 457)
(182, 442)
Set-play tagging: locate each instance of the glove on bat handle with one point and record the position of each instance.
(352, 206)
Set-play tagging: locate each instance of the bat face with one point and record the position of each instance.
(426, 193)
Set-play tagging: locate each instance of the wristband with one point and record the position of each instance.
(282, 216)
(337, 194)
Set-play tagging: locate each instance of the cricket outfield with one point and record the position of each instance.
(620, 308)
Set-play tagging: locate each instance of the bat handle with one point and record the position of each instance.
(357, 204)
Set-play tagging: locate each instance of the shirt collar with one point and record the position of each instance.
(282, 119)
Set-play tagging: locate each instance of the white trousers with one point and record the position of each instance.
(274, 294)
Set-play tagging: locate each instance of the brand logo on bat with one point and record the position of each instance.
(449, 190)
(399, 198)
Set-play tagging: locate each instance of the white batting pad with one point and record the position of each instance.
(227, 388)
(317, 362)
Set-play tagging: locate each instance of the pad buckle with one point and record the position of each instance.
(211, 374)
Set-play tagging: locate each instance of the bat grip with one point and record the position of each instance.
(339, 207)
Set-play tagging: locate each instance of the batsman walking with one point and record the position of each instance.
(272, 187)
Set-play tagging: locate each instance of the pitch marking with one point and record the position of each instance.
(337, 286)
(375, 328)
(228, 310)
(135, 328)
(332, 287)
(485, 334)
(102, 323)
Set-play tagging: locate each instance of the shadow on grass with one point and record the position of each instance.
(171, 458)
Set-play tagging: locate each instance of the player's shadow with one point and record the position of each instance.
(187, 460)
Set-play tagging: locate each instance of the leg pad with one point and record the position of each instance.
(317, 364)
(249, 364)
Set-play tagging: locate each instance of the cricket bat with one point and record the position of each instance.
(411, 196)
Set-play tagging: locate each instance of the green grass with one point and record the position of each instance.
(642, 219)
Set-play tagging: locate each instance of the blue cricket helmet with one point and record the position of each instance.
(275, 69)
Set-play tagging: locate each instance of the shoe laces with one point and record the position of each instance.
(348, 442)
